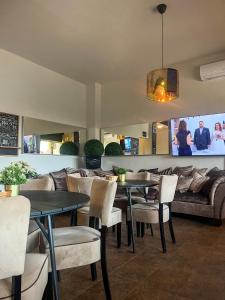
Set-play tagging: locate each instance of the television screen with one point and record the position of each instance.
(198, 135)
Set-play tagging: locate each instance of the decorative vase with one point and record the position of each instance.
(121, 177)
(13, 189)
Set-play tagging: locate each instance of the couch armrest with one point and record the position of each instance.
(218, 201)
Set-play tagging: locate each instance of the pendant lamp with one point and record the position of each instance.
(162, 84)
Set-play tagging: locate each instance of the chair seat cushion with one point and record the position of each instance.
(148, 213)
(34, 279)
(197, 198)
(75, 246)
(83, 216)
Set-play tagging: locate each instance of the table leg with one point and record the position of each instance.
(52, 257)
(131, 218)
(49, 236)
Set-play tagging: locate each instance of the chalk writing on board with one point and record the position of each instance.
(9, 125)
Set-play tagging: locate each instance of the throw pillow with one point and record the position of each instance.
(183, 183)
(59, 178)
(167, 171)
(202, 171)
(102, 173)
(183, 171)
(155, 177)
(212, 172)
(154, 171)
(82, 172)
(198, 182)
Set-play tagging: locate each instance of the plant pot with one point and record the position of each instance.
(93, 162)
(13, 189)
(121, 177)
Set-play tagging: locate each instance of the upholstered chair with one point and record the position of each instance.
(160, 212)
(82, 245)
(22, 276)
(83, 185)
(44, 183)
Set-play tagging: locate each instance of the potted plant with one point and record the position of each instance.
(113, 149)
(121, 173)
(69, 148)
(93, 150)
(15, 174)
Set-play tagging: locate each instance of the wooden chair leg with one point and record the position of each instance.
(138, 228)
(171, 225)
(161, 226)
(118, 231)
(142, 229)
(93, 272)
(16, 287)
(104, 264)
(48, 294)
(151, 230)
(128, 233)
(73, 218)
(113, 228)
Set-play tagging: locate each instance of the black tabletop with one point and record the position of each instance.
(45, 203)
(136, 184)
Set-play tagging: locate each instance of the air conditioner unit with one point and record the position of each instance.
(213, 70)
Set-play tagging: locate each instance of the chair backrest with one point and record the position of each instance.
(167, 188)
(137, 176)
(101, 201)
(79, 184)
(44, 183)
(14, 222)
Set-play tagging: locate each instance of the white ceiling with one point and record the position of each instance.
(103, 40)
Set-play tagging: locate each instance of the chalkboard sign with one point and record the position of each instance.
(9, 126)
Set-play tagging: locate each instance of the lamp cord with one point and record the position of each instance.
(162, 43)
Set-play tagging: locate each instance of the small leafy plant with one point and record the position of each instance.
(17, 173)
(120, 171)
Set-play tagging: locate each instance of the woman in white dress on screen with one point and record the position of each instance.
(217, 140)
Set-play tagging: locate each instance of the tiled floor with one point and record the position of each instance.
(194, 268)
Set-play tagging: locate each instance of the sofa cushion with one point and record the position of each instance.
(202, 171)
(102, 173)
(213, 172)
(154, 171)
(183, 171)
(183, 183)
(82, 172)
(198, 182)
(59, 178)
(167, 171)
(191, 197)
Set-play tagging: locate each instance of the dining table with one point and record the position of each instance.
(47, 204)
(129, 186)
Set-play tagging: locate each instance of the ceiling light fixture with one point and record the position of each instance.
(162, 84)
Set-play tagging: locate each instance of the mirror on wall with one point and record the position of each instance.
(45, 137)
(160, 137)
(134, 139)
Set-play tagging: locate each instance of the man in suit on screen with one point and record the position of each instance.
(202, 137)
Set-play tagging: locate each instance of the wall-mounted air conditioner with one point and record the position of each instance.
(213, 70)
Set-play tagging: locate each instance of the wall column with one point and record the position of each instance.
(94, 93)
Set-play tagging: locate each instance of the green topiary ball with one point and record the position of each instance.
(93, 148)
(69, 148)
(113, 149)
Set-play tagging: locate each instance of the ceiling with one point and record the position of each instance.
(102, 41)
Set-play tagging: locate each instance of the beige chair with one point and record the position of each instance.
(160, 212)
(22, 276)
(83, 185)
(44, 183)
(81, 245)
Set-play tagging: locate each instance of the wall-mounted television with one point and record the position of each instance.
(198, 135)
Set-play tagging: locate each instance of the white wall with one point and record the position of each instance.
(160, 161)
(28, 89)
(43, 163)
